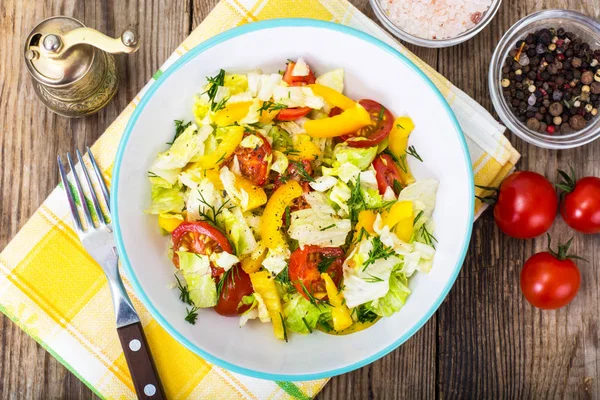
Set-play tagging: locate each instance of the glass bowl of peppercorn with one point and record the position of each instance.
(544, 79)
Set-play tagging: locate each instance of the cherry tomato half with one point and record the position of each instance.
(526, 205)
(550, 280)
(371, 135)
(200, 238)
(237, 285)
(307, 263)
(254, 162)
(297, 80)
(386, 172)
(580, 206)
(291, 114)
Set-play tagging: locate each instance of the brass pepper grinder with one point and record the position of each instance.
(73, 70)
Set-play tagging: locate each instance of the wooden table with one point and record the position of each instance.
(485, 340)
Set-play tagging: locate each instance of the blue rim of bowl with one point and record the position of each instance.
(269, 24)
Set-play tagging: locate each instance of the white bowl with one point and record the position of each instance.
(373, 70)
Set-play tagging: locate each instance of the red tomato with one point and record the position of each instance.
(335, 111)
(297, 80)
(549, 280)
(386, 172)
(307, 263)
(371, 135)
(200, 238)
(580, 207)
(526, 205)
(290, 114)
(237, 285)
(254, 162)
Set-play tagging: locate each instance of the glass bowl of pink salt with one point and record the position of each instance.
(435, 23)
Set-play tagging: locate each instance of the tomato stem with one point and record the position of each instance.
(491, 199)
(563, 249)
(567, 182)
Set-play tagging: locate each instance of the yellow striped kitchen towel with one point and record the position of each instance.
(54, 291)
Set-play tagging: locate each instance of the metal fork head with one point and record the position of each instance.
(102, 220)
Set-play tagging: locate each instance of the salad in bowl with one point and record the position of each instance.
(289, 203)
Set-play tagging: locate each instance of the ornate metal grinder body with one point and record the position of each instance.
(73, 70)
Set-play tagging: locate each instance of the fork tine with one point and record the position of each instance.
(70, 199)
(92, 191)
(86, 209)
(105, 191)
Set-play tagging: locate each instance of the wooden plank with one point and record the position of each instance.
(492, 342)
(31, 137)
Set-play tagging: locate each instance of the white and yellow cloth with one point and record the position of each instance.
(54, 291)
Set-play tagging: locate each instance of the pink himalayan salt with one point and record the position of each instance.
(435, 19)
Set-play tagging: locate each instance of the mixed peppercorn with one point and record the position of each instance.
(551, 81)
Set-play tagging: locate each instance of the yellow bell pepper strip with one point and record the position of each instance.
(169, 222)
(230, 139)
(214, 178)
(332, 96)
(267, 116)
(366, 219)
(400, 219)
(253, 262)
(340, 314)
(256, 195)
(264, 284)
(271, 220)
(349, 121)
(304, 148)
(398, 142)
(232, 113)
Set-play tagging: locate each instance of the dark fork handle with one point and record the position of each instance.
(141, 366)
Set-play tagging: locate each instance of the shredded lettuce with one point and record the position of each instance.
(333, 79)
(297, 96)
(394, 299)
(237, 229)
(423, 194)
(301, 315)
(197, 273)
(359, 157)
(236, 84)
(166, 200)
(318, 225)
(276, 260)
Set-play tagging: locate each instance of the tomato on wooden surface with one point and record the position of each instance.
(371, 135)
(291, 114)
(297, 80)
(580, 202)
(549, 279)
(200, 238)
(254, 162)
(387, 173)
(236, 285)
(526, 205)
(307, 264)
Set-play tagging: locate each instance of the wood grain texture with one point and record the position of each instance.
(484, 342)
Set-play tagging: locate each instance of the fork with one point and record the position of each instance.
(99, 242)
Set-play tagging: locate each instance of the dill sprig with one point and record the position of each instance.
(206, 215)
(284, 328)
(302, 173)
(418, 217)
(268, 106)
(152, 175)
(223, 282)
(356, 202)
(313, 300)
(184, 296)
(428, 237)
(327, 227)
(372, 279)
(213, 87)
(380, 116)
(221, 104)
(378, 252)
(402, 163)
(180, 127)
(325, 263)
(283, 277)
(363, 314)
(307, 325)
(413, 152)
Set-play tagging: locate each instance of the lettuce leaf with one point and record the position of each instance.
(395, 297)
(197, 274)
(166, 200)
(301, 316)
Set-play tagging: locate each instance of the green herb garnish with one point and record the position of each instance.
(180, 127)
(413, 152)
(268, 106)
(307, 325)
(378, 252)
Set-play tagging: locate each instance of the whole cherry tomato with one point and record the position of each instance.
(550, 280)
(526, 205)
(580, 205)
